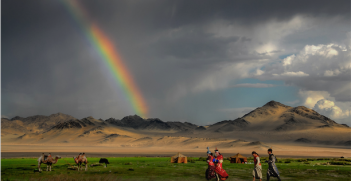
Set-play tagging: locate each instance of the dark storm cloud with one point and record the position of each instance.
(180, 13)
(169, 47)
(193, 45)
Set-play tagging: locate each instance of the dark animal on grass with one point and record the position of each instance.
(104, 160)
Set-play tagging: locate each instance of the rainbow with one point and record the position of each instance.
(109, 55)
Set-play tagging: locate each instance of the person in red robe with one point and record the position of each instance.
(221, 174)
(210, 172)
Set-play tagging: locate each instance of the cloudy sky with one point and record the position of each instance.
(197, 61)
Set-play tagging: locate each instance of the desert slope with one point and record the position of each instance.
(279, 117)
(272, 124)
(32, 124)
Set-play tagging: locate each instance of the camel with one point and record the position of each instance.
(80, 159)
(48, 160)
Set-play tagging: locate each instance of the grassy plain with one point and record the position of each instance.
(160, 168)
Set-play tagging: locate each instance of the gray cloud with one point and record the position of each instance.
(257, 85)
(307, 70)
(179, 53)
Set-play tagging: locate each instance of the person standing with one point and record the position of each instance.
(210, 172)
(221, 174)
(257, 172)
(272, 168)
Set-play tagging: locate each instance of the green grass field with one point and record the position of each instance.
(145, 168)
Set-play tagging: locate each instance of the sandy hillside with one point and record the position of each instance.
(282, 127)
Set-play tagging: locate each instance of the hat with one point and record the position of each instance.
(270, 150)
(208, 150)
(216, 150)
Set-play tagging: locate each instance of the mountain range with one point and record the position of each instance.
(273, 122)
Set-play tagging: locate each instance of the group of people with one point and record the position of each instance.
(272, 167)
(215, 169)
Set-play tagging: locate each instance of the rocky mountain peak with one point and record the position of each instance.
(68, 124)
(303, 108)
(309, 113)
(154, 119)
(345, 125)
(5, 119)
(274, 104)
(133, 117)
(269, 109)
(60, 115)
(17, 118)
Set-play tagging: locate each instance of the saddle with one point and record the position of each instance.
(79, 158)
(46, 157)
